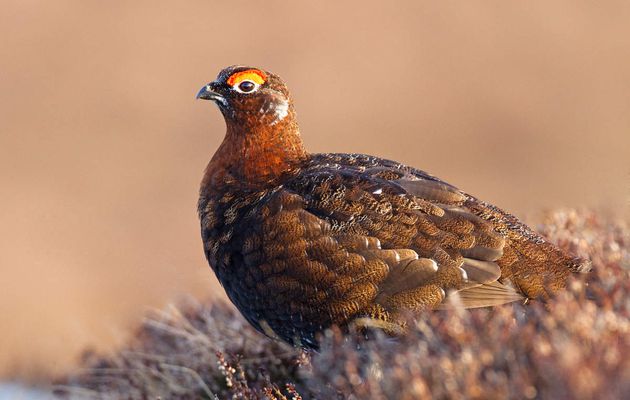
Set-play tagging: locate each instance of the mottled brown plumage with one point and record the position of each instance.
(304, 241)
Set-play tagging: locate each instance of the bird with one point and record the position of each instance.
(303, 242)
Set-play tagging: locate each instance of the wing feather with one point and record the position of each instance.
(486, 295)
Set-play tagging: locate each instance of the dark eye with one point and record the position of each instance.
(246, 86)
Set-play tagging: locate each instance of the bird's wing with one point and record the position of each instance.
(415, 225)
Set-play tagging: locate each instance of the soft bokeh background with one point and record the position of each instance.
(102, 145)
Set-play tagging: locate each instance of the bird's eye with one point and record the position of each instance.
(246, 86)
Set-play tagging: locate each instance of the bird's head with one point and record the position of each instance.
(262, 142)
(248, 95)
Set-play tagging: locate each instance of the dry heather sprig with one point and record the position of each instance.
(179, 353)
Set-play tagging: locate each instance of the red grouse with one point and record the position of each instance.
(302, 241)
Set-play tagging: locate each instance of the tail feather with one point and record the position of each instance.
(533, 265)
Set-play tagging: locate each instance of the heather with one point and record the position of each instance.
(575, 346)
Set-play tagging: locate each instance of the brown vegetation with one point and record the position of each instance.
(576, 346)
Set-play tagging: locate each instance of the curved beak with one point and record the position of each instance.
(208, 93)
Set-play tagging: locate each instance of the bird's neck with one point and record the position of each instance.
(256, 156)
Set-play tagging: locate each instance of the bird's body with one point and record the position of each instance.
(301, 241)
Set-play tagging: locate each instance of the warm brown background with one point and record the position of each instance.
(526, 104)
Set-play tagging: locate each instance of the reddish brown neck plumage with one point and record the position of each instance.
(256, 153)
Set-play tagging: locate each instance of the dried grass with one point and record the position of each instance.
(577, 346)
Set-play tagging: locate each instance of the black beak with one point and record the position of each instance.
(208, 93)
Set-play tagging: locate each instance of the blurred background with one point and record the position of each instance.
(102, 145)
